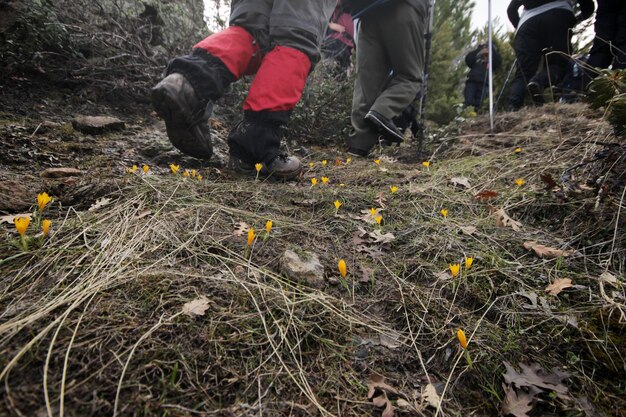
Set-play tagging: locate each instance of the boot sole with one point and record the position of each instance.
(395, 138)
(190, 140)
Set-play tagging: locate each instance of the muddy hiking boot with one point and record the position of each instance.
(283, 167)
(385, 127)
(535, 89)
(175, 100)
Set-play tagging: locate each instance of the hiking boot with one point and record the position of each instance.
(357, 152)
(536, 92)
(386, 127)
(283, 167)
(175, 100)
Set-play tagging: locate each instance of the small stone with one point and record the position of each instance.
(61, 172)
(303, 267)
(97, 125)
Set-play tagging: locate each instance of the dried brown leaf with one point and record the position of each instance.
(377, 383)
(241, 228)
(486, 195)
(431, 396)
(381, 200)
(468, 230)
(518, 404)
(558, 285)
(418, 189)
(548, 181)
(102, 202)
(379, 237)
(389, 410)
(196, 307)
(546, 251)
(503, 220)
(533, 376)
(605, 278)
(462, 181)
(143, 213)
(10, 217)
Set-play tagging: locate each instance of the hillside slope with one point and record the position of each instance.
(94, 317)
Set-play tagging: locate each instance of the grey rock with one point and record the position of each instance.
(302, 267)
(97, 125)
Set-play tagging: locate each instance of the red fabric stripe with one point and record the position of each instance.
(279, 83)
(235, 47)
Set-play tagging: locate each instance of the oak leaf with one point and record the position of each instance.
(517, 403)
(196, 307)
(462, 181)
(543, 251)
(558, 285)
(486, 195)
(503, 220)
(431, 396)
(102, 202)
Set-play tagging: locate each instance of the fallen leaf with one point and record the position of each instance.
(381, 169)
(100, 203)
(605, 278)
(373, 252)
(468, 230)
(366, 274)
(486, 195)
(61, 172)
(546, 251)
(558, 285)
(379, 237)
(462, 181)
(369, 217)
(533, 376)
(443, 275)
(196, 307)
(431, 396)
(518, 404)
(380, 401)
(389, 410)
(388, 159)
(548, 181)
(377, 383)
(418, 189)
(10, 217)
(304, 203)
(503, 220)
(241, 229)
(381, 200)
(143, 213)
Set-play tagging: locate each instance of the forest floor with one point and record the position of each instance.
(95, 317)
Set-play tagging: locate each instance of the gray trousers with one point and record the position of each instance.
(298, 24)
(389, 69)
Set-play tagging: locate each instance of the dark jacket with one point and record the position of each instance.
(586, 8)
(478, 62)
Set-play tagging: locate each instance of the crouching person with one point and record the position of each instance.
(278, 40)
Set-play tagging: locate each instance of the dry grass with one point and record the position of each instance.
(91, 323)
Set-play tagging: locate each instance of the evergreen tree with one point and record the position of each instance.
(452, 37)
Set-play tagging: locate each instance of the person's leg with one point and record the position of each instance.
(473, 94)
(401, 30)
(296, 30)
(556, 26)
(605, 27)
(372, 73)
(620, 38)
(528, 54)
(184, 97)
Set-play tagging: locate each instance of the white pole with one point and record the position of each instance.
(490, 71)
